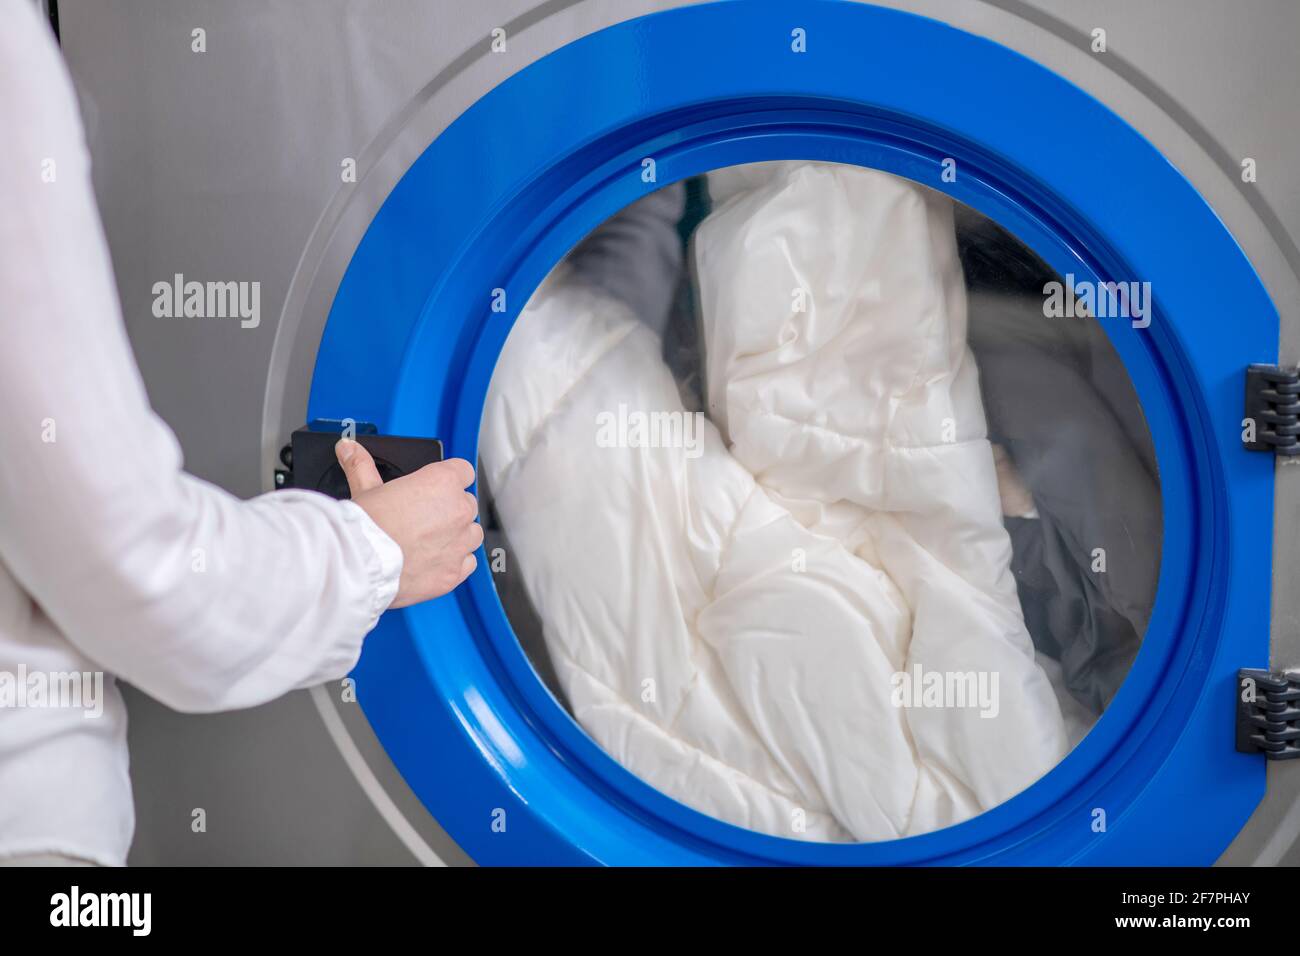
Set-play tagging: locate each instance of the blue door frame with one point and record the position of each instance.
(522, 175)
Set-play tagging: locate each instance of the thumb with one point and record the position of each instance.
(358, 466)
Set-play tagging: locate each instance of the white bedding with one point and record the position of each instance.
(728, 616)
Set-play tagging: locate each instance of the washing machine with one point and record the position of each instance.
(400, 177)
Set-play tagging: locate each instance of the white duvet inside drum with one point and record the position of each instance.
(801, 496)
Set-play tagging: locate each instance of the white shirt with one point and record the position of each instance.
(112, 559)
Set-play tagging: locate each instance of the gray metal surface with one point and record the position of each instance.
(225, 165)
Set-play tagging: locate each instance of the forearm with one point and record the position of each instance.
(200, 599)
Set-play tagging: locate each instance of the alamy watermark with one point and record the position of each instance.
(52, 690)
(179, 299)
(633, 428)
(959, 690)
(1080, 298)
(133, 911)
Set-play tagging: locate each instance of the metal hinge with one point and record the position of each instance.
(1273, 406)
(1268, 720)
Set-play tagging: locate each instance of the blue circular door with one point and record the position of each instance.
(497, 200)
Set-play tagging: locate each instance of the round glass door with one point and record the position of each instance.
(820, 501)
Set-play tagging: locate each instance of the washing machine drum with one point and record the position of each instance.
(813, 513)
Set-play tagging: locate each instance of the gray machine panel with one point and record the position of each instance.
(225, 165)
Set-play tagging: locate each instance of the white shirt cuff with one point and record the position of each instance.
(384, 564)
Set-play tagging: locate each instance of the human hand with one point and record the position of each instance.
(428, 513)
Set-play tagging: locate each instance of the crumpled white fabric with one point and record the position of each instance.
(727, 620)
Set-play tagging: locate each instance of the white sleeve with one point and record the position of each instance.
(202, 600)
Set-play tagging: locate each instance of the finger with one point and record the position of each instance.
(449, 471)
(358, 466)
(473, 537)
(468, 567)
(462, 470)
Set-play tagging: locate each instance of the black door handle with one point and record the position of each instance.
(309, 460)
